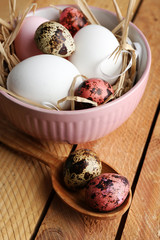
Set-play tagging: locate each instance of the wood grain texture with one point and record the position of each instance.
(24, 188)
(146, 201)
(123, 4)
(25, 184)
(46, 152)
(61, 222)
(21, 4)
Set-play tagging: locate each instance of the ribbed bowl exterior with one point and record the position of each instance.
(76, 126)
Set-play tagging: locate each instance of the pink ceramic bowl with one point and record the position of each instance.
(81, 125)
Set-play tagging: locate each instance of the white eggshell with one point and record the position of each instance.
(94, 45)
(43, 78)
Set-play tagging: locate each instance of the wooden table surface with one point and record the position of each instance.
(29, 207)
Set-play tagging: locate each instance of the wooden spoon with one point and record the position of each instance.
(77, 199)
(23, 143)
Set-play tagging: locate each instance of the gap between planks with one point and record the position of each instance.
(137, 10)
(43, 214)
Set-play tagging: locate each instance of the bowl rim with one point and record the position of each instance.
(103, 106)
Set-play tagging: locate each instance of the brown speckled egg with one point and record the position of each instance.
(81, 166)
(53, 38)
(94, 89)
(73, 19)
(106, 192)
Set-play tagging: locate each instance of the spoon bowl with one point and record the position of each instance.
(76, 199)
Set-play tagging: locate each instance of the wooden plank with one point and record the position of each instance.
(123, 4)
(25, 183)
(25, 186)
(20, 6)
(146, 201)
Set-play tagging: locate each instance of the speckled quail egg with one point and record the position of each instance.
(106, 192)
(53, 38)
(73, 19)
(81, 166)
(94, 89)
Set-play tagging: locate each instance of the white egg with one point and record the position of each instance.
(43, 78)
(94, 46)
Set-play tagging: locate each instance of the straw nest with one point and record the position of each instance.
(8, 59)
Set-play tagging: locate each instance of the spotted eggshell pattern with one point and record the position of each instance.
(106, 192)
(94, 89)
(73, 19)
(53, 38)
(81, 166)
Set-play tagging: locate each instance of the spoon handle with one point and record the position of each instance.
(18, 141)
